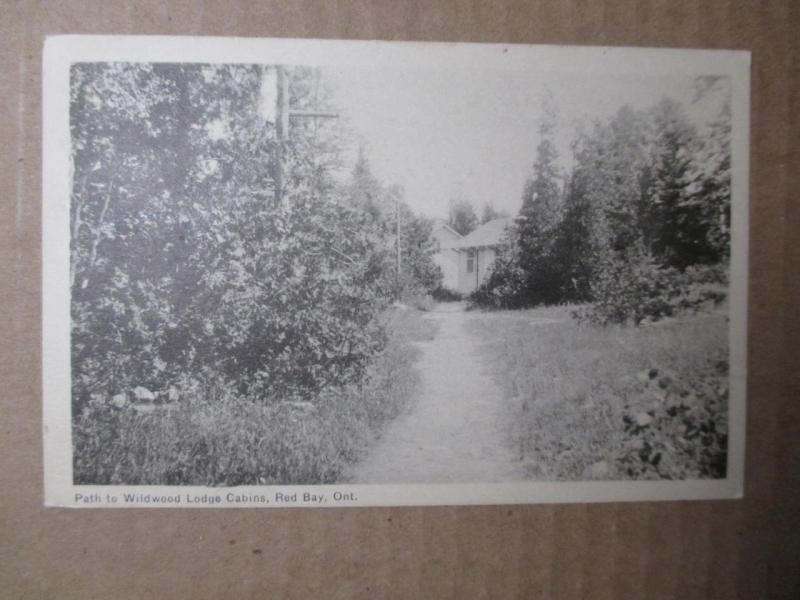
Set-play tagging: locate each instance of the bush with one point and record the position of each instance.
(287, 302)
(634, 287)
(682, 426)
(631, 288)
(504, 288)
(443, 294)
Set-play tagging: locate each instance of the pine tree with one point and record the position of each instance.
(364, 189)
(539, 217)
(678, 229)
(714, 182)
(574, 248)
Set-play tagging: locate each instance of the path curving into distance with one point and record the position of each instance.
(457, 430)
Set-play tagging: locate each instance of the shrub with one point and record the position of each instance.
(504, 288)
(631, 288)
(682, 427)
(443, 294)
(287, 301)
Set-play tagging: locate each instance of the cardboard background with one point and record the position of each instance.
(726, 549)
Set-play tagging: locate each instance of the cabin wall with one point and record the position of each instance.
(482, 265)
(448, 261)
(444, 238)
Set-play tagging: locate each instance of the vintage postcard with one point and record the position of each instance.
(335, 273)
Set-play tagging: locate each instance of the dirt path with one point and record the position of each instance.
(456, 431)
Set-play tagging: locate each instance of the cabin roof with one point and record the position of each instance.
(489, 234)
(442, 224)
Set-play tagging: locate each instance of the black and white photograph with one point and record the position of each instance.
(301, 273)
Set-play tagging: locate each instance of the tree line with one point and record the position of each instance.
(639, 227)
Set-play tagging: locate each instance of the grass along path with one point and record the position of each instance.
(618, 402)
(457, 431)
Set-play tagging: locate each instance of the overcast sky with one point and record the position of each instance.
(473, 133)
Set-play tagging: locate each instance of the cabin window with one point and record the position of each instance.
(470, 261)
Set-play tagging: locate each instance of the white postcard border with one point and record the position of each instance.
(62, 51)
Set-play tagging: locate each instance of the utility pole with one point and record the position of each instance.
(399, 255)
(283, 114)
(281, 130)
(282, 108)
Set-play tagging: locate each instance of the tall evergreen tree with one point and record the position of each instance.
(364, 189)
(676, 221)
(714, 183)
(539, 216)
(573, 247)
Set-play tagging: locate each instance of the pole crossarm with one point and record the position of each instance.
(299, 114)
(282, 131)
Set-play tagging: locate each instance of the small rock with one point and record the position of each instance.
(301, 406)
(119, 400)
(679, 389)
(142, 394)
(675, 401)
(643, 419)
(689, 400)
(659, 397)
(699, 413)
(643, 376)
(599, 470)
(637, 444)
(664, 382)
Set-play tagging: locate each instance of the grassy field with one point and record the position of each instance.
(211, 437)
(612, 402)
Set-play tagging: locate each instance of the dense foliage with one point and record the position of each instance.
(388, 214)
(647, 200)
(189, 267)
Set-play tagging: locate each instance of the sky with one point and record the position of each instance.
(472, 133)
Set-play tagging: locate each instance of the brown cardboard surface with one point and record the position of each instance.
(746, 548)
